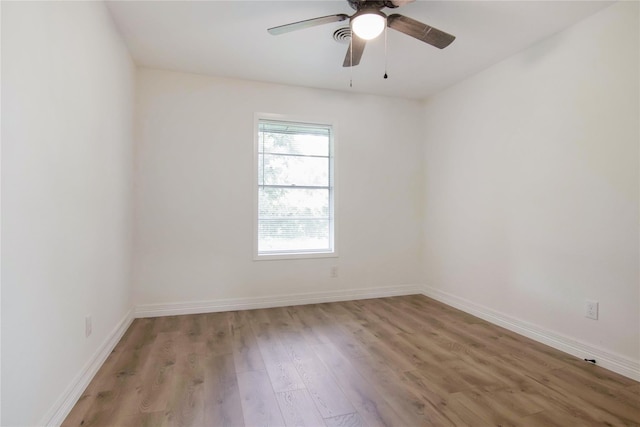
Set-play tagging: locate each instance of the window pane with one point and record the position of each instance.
(277, 169)
(293, 234)
(306, 203)
(310, 145)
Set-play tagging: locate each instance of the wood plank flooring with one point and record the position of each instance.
(401, 361)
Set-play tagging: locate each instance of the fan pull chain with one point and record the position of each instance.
(385, 52)
(351, 60)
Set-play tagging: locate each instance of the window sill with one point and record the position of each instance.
(290, 256)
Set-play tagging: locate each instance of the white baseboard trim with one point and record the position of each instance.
(169, 309)
(613, 362)
(59, 411)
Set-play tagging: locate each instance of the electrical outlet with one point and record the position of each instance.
(87, 326)
(591, 310)
(334, 272)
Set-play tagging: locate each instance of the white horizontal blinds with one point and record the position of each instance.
(294, 188)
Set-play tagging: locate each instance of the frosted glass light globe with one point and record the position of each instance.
(368, 25)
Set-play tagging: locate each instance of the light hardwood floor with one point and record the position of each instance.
(402, 361)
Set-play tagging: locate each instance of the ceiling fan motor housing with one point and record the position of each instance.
(372, 4)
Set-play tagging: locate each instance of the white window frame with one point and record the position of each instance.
(333, 230)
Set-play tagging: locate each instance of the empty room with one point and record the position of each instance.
(320, 213)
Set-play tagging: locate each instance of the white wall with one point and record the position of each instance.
(532, 188)
(67, 107)
(194, 190)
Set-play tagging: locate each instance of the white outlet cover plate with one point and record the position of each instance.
(87, 326)
(591, 309)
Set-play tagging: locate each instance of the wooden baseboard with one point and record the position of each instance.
(168, 309)
(613, 362)
(59, 411)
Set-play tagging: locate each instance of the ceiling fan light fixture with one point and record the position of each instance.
(369, 24)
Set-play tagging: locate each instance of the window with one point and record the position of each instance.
(295, 189)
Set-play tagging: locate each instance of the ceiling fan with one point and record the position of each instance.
(368, 23)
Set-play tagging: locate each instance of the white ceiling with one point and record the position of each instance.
(230, 39)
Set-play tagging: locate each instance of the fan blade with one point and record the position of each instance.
(358, 48)
(294, 26)
(420, 31)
